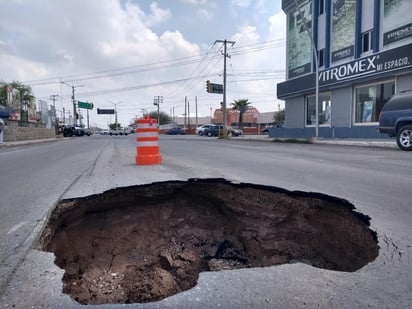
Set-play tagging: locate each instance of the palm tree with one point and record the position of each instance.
(241, 105)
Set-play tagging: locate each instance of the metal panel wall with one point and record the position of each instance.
(341, 107)
(295, 112)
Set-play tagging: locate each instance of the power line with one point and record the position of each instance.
(154, 66)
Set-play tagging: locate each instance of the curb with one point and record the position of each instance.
(29, 142)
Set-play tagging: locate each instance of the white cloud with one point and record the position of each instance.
(241, 3)
(278, 25)
(246, 35)
(205, 14)
(158, 15)
(75, 37)
(196, 2)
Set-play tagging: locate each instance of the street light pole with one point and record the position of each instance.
(315, 56)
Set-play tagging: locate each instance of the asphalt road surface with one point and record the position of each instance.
(376, 180)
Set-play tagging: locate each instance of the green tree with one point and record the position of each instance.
(23, 96)
(241, 105)
(163, 117)
(112, 126)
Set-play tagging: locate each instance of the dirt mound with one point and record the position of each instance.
(144, 243)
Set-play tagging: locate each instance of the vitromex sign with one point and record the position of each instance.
(391, 60)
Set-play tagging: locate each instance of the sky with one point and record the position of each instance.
(124, 53)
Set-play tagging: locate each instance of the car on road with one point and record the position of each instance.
(216, 130)
(200, 130)
(120, 131)
(175, 131)
(210, 130)
(395, 119)
(87, 131)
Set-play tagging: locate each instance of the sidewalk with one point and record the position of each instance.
(30, 141)
(382, 143)
(361, 142)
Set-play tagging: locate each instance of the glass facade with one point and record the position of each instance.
(324, 109)
(370, 99)
(343, 29)
(299, 45)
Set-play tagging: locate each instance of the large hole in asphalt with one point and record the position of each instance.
(144, 243)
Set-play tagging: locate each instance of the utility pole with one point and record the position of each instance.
(188, 118)
(185, 111)
(75, 115)
(225, 42)
(156, 101)
(115, 113)
(196, 110)
(53, 97)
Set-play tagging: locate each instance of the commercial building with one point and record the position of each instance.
(364, 53)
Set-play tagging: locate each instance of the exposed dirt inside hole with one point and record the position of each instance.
(144, 243)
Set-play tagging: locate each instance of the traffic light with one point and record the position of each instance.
(208, 87)
(221, 106)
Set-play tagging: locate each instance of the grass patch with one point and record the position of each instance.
(293, 140)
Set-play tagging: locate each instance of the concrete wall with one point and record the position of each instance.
(12, 132)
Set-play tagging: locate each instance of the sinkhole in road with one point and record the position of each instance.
(144, 243)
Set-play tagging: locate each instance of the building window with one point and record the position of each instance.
(321, 59)
(324, 109)
(321, 7)
(367, 41)
(369, 101)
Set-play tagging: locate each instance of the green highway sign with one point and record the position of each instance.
(105, 111)
(216, 88)
(85, 105)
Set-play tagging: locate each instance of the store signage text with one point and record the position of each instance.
(366, 66)
(349, 70)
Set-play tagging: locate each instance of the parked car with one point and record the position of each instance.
(266, 130)
(216, 130)
(175, 131)
(210, 130)
(395, 119)
(200, 130)
(236, 132)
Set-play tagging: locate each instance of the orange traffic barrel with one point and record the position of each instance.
(148, 150)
